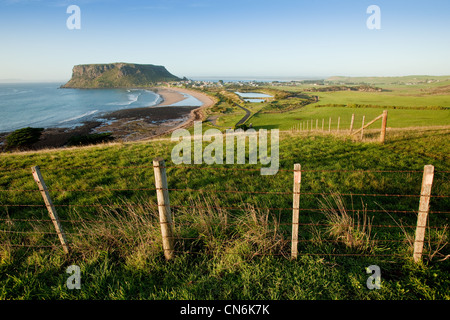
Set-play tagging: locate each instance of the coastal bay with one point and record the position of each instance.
(131, 124)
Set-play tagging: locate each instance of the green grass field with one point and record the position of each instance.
(415, 105)
(397, 118)
(233, 225)
(119, 251)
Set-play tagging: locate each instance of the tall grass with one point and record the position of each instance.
(132, 233)
(354, 229)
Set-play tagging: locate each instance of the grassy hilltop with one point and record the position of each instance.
(104, 197)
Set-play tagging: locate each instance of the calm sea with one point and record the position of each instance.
(44, 105)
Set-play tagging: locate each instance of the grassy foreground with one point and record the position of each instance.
(231, 245)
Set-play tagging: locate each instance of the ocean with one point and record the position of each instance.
(45, 105)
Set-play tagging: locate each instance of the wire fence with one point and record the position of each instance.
(25, 222)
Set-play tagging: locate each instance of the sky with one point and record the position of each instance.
(226, 38)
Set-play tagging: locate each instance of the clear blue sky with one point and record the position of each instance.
(227, 38)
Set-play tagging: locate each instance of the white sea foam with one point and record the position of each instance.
(80, 116)
(133, 97)
(46, 106)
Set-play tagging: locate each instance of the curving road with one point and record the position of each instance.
(247, 114)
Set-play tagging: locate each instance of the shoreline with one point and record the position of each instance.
(130, 124)
(196, 113)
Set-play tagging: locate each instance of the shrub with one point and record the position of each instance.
(242, 126)
(23, 138)
(89, 139)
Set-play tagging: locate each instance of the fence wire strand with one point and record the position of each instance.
(243, 206)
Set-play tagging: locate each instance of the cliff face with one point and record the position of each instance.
(114, 75)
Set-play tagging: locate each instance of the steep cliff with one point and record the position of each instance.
(117, 75)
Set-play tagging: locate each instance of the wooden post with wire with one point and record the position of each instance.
(383, 126)
(365, 125)
(351, 123)
(165, 214)
(424, 206)
(50, 207)
(362, 127)
(296, 209)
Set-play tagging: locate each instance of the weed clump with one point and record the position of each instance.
(354, 230)
(90, 139)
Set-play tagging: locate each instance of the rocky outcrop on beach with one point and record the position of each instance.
(118, 75)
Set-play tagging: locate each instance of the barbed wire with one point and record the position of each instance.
(226, 224)
(321, 240)
(214, 168)
(55, 246)
(243, 206)
(299, 253)
(230, 191)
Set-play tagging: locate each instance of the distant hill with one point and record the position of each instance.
(118, 75)
(413, 79)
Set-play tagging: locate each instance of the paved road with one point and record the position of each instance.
(247, 114)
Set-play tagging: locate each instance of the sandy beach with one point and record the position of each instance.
(155, 121)
(196, 114)
(133, 124)
(170, 96)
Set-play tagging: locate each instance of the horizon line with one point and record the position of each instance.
(249, 78)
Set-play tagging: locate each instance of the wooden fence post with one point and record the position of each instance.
(351, 123)
(323, 123)
(424, 206)
(339, 122)
(317, 124)
(50, 207)
(362, 127)
(365, 125)
(311, 124)
(329, 125)
(383, 126)
(296, 209)
(165, 215)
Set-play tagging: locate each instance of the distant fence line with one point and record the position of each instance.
(308, 126)
(165, 208)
